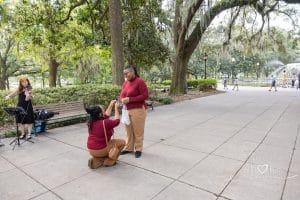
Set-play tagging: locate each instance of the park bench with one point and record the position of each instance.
(67, 111)
(150, 104)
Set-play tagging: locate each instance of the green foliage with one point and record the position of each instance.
(201, 84)
(163, 100)
(167, 82)
(143, 43)
(91, 94)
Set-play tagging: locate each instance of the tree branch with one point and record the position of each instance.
(193, 40)
(191, 13)
(177, 21)
(81, 2)
(231, 24)
(7, 50)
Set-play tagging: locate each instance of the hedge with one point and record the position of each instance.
(92, 94)
(201, 84)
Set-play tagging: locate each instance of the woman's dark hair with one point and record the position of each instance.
(130, 67)
(95, 113)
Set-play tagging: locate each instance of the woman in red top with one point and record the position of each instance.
(133, 95)
(96, 143)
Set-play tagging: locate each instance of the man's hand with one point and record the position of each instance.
(125, 100)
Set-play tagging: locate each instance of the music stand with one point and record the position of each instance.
(16, 112)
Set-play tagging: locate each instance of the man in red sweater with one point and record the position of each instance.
(133, 95)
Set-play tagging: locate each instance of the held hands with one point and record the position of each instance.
(125, 100)
(112, 103)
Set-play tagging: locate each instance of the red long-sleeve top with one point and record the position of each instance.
(96, 139)
(137, 91)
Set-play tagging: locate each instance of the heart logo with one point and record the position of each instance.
(262, 168)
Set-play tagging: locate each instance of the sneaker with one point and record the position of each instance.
(22, 137)
(138, 154)
(29, 137)
(125, 152)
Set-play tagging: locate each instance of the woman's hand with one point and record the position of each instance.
(110, 107)
(117, 105)
(125, 100)
(112, 102)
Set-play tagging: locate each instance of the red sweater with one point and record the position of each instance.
(96, 138)
(137, 91)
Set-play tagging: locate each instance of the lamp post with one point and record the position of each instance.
(205, 58)
(257, 70)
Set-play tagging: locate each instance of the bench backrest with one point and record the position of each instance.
(63, 107)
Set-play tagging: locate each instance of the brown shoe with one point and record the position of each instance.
(92, 165)
(109, 163)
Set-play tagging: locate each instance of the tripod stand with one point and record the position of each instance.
(16, 112)
(1, 144)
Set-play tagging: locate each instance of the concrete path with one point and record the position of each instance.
(237, 145)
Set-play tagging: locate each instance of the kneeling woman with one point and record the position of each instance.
(101, 129)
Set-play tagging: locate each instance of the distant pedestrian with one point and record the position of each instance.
(294, 80)
(235, 84)
(284, 79)
(298, 80)
(225, 83)
(273, 83)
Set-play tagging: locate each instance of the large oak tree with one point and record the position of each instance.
(187, 38)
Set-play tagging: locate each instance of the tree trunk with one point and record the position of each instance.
(7, 83)
(53, 66)
(2, 83)
(58, 82)
(115, 22)
(178, 85)
(3, 76)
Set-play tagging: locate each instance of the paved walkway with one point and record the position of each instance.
(237, 145)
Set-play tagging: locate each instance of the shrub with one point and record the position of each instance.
(201, 84)
(167, 82)
(163, 100)
(92, 94)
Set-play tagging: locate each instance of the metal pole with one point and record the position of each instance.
(204, 68)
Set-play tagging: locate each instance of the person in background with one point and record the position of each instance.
(133, 95)
(235, 83)
(96, 142)
(294, 80)
(273, 83)
(24, 92)
(225, 83)
(284, 79)
(298, 87)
